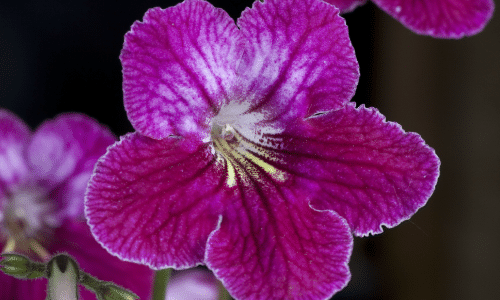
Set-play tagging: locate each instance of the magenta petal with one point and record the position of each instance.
(273, 245)
(7, 286)
(346, 6)
(75, 239)
(63, 153)
(54, 153)
(367, 170)
(14, 137)
(93, 140)
(156, 201)
(17, 289)
(178, 67)
(299, 59)
(441, 18)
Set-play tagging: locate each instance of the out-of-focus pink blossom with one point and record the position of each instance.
(192, 284)
(43, 178)
(448, 19)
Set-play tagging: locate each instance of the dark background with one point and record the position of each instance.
(58, 56)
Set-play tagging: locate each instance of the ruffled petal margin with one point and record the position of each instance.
(441, 18)
(367, 170)
(14, 138)
(272, 245)
(178, 67)
(156, 201)
(297, 64)
(346, 6)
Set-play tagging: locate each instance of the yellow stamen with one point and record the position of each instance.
(10, 246)
(243, 156)
(231, 176)
(39, 250)
(278, 175)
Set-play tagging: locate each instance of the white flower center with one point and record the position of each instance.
(27, 220)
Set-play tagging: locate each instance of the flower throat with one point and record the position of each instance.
(242, 157)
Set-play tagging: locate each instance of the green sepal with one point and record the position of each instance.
(20, 266)
(112, 292)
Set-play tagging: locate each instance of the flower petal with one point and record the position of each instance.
(367, 170)
(53, 153)
(19, 289)
(156, 201)
(62, 154)
(14, 136)
(7, 287)
(76, 239)
(441, 18)
(346, 6)
(178, 67)
(273, 245)
(93, 140)
(299, 60)
(192, 284)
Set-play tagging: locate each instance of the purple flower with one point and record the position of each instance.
(192, 284)
(248, 155)
(437, 18)
(43, 177)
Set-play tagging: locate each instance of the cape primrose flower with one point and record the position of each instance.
(43, 177)
(437, 18)
(248, 155)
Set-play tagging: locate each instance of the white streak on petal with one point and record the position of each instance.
(11, 163)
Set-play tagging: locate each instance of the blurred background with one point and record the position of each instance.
(58, 56)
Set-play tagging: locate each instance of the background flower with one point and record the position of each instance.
(437, 18)
(444, 90)
(43, 177)
(192, 284)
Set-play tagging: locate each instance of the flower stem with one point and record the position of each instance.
(160, 284)
(223, 293)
